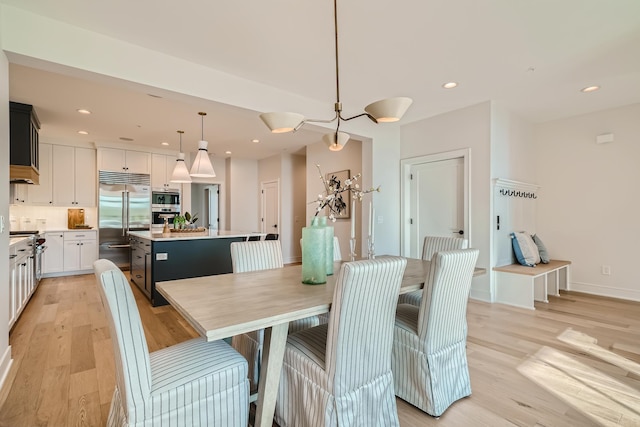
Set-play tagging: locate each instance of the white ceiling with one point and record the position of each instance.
(533, 56)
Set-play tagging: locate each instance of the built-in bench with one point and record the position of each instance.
(520, 285)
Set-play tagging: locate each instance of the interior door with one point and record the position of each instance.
(270, 207)
(212, 206)
(436, 201)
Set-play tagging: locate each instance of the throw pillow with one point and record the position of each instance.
(542, 249)
(525, 249)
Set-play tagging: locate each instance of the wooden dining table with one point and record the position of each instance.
(225, 305)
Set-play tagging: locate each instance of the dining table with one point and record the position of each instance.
(225, 305)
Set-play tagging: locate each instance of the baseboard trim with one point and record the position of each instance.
(481, 295)
(605, 291)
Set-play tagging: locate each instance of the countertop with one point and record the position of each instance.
(16, 240)
(207, 234)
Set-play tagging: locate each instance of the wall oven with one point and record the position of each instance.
(158, 215)
(164, 199)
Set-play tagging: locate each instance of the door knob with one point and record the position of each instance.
(460, 232)
(275, 225)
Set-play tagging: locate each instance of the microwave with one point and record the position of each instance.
(164, 199)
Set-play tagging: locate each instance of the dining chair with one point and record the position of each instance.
(431, 245)
(429, 360)
(255, 256)
(339, 374)
(195, 383)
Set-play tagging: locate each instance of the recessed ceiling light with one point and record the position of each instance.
(83, 132)
(83, 111)
(450, 85)
(589, 89)
(164, 143)
(227, 152)
(255, 140)
(124, 138)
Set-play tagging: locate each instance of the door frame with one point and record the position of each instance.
(263, 226)
(405, 192)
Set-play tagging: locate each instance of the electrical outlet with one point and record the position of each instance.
(606, 270)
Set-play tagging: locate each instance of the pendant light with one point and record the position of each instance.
(180, 171)
(383, 111)
(202, 167)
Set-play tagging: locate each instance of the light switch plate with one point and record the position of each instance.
(162, 256)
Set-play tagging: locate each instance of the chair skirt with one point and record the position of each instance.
(431, 382)
(304, 396)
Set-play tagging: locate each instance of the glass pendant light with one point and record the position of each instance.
(180, 172)
(202, 167)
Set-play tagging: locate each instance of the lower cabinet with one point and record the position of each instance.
(70, 252)
(53, 256)
(80, 250)
(21, 279)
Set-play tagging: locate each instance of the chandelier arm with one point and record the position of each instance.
(359, 115)
(316, 121)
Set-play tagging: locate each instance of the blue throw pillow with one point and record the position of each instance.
(525, 249)
(542, 249)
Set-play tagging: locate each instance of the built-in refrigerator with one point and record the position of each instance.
(124, 204)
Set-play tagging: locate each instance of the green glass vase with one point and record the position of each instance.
(328, 235)
(314, 267)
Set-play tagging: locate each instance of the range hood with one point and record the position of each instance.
(24, 126)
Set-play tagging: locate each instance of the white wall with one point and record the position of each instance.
(350, 157)
(243, 196)
(467, 127)
(5, 350)
(588, 205)
(290, 171)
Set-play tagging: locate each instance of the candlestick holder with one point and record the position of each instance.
(352, 249)
(371, 249)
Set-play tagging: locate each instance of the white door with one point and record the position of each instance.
(270, 207)
(211, 206)
(436, 201)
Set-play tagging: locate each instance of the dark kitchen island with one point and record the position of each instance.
(157, 257)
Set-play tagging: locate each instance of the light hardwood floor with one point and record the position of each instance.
(572, 362)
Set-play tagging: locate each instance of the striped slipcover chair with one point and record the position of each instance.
(339, 374)
(254, 256)
(433, 244)
(429, 345)
(194, 383)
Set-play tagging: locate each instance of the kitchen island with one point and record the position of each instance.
(157, 257)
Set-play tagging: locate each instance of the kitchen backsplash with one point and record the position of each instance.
(45, 218)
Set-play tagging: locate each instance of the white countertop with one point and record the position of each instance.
(207, 234)
(15, 240)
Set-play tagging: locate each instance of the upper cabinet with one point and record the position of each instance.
(23, 157)
(117, 160)
(74, 176)
(161, 171)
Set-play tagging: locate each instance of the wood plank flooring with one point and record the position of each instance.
(572, 362)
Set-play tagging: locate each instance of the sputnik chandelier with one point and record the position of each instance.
(383, 111)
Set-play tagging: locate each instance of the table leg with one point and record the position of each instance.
(275, 340)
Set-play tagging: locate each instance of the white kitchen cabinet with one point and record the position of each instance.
(42, 194)
(21, 278)
(53, 257)
(74, 176)
(80, 250)
(161, 170)
(117, 160)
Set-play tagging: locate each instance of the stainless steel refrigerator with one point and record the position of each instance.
(124, 204)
